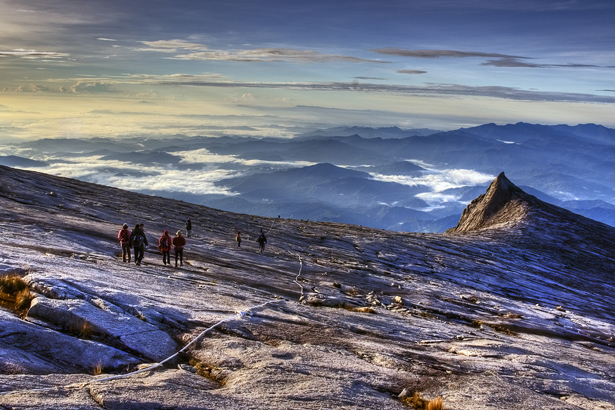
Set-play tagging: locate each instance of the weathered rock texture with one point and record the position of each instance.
(511, 310)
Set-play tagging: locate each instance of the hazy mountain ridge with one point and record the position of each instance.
(565, 163)
(515, 313)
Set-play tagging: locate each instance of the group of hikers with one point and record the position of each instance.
(137, 240)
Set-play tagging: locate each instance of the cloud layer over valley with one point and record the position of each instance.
(413, 180)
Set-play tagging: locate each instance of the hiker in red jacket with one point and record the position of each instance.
(178, 243)
(124, 236)
(164, 244)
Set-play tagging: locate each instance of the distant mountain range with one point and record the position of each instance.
(411, 180)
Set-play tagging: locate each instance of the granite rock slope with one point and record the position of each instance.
(511, 310)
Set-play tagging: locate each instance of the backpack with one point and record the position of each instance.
(164, 242)
(138, 240)
(124, 235)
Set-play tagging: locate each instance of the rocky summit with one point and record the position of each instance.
(511, 309)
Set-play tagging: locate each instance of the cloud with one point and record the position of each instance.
(437, 53)
(500, 60)
(32, 88)
(91, 87)
(507, 93)
(369, 78)
(438, 181)
(411, 71)
(32, 54)
(204, 53)
(105, 39)
(170, 78)
(171, 46)
(274, 55)
(137, 177)
(515, 62)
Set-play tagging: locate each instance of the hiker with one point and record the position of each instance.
(164, 244)
(139, 242)
(178, 243)
(262, 240)
(188, 227)
(124, 236)
(238, 239)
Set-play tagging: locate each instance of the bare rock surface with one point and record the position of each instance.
(513, 309)
(133, 334)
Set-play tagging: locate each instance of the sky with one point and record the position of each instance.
(158, 68)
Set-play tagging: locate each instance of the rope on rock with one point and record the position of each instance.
(298, 275)
(238, 315)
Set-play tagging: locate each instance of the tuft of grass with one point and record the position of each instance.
(502, 329)
(97, 369)
(365, 309)
(15, 292)
(420, 403)
(435, 404)
(82, 329)
(11, 284)
(511, 315)
(477, 324)
(23, 298)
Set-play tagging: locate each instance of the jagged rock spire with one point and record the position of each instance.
(503, 202)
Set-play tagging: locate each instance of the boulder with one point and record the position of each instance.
(82, 317)
(28, 348)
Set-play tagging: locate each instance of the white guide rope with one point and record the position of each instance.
(238, 315)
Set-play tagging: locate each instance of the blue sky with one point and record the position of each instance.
(158, 68)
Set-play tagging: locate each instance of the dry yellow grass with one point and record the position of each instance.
(420, 403)
(15, 292)
(10, 284)
(23, 299)
(98, 369)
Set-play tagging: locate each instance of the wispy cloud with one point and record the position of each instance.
(508, 93)
(105, 39)
(196, 51)
(274, 55)
(515, 62)
(32, 88)
(411, 71)
(32, 54)
(498, 60)
(91, 87)
(437, 53)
